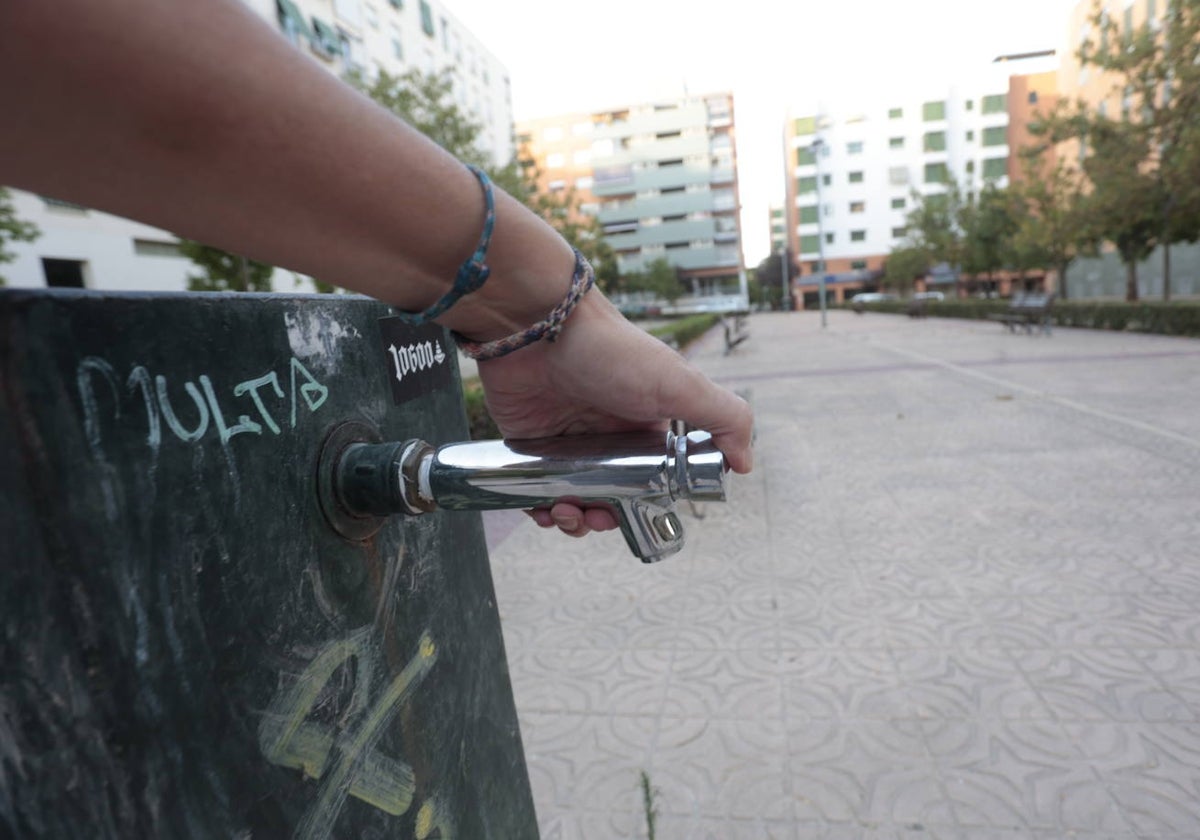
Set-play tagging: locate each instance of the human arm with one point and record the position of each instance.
(201, 119)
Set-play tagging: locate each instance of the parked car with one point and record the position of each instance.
(929, 296)
(872, 297)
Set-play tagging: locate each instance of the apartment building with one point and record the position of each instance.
(661, 177)
(87, 248)
(852, 174)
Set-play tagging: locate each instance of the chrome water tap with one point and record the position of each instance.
(641, 475)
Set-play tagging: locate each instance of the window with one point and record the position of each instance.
(895, 142)
(854, 147)
(935, 141)
(808, 215)
(970, 166)
(426, 18)
(555, 160)
(856, 177)
(397, 47)
(970, 104)
(858, 206)
(931, 111)
(898, 176)
(667, 135)
(805, 157)
(970, 136)
(806, 185)
(156, 248)
(829, 239)
(899, 203)
(804, 125)
(997, 135)
(557, 185)
(582, 157)
(292, 21)
(858, 236)
(662, 164)
(858, 265)
(935, 173)
(826, 180)
(899, 232)
(995, 168)
(64, 273)
(583, 183)
(809, 244)
(1033, 97)
(997, 103)
(895, 113)
(327, 42)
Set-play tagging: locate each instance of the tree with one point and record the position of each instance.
(989, 225)
(1048, 204)
(12, 229)
(934, 225)
(1157, 70)
(769, 274)
(1125, 203)
(905, 265)
(223, 271)
(660, 277)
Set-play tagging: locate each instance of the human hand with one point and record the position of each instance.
(604, 374)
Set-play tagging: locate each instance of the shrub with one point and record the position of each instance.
(1174, 318)
(684, 331)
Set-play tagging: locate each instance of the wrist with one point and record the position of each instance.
(531, 267)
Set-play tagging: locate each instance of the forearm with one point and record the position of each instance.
(186, 115)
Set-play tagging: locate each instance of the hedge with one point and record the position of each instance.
(683, 332)
(1173, 318)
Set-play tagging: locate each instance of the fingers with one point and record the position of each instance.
(573, 520)
(705, 405)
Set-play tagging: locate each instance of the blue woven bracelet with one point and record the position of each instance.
(549, 329)
(473, 273)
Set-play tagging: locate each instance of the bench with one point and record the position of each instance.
(1027, 309)
(735, 332)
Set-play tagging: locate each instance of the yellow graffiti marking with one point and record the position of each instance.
(344, 763)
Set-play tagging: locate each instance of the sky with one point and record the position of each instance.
(802, 57)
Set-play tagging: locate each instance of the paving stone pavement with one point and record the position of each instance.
(959, 597)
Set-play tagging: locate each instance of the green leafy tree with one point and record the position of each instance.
(12, 229)
(988, 224)
(1125, 203)
(1049, 207)
(1157, 73)
(769, 275)
(933, 224)
(903, 266)
(933, 228)
(223, 271)
(660, 278)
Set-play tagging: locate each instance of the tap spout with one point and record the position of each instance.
(640, 474)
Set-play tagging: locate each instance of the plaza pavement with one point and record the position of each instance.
(959, 597)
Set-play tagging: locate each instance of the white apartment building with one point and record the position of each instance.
(851, 174)
(79, 246)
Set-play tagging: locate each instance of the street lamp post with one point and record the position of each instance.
(816, 147)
